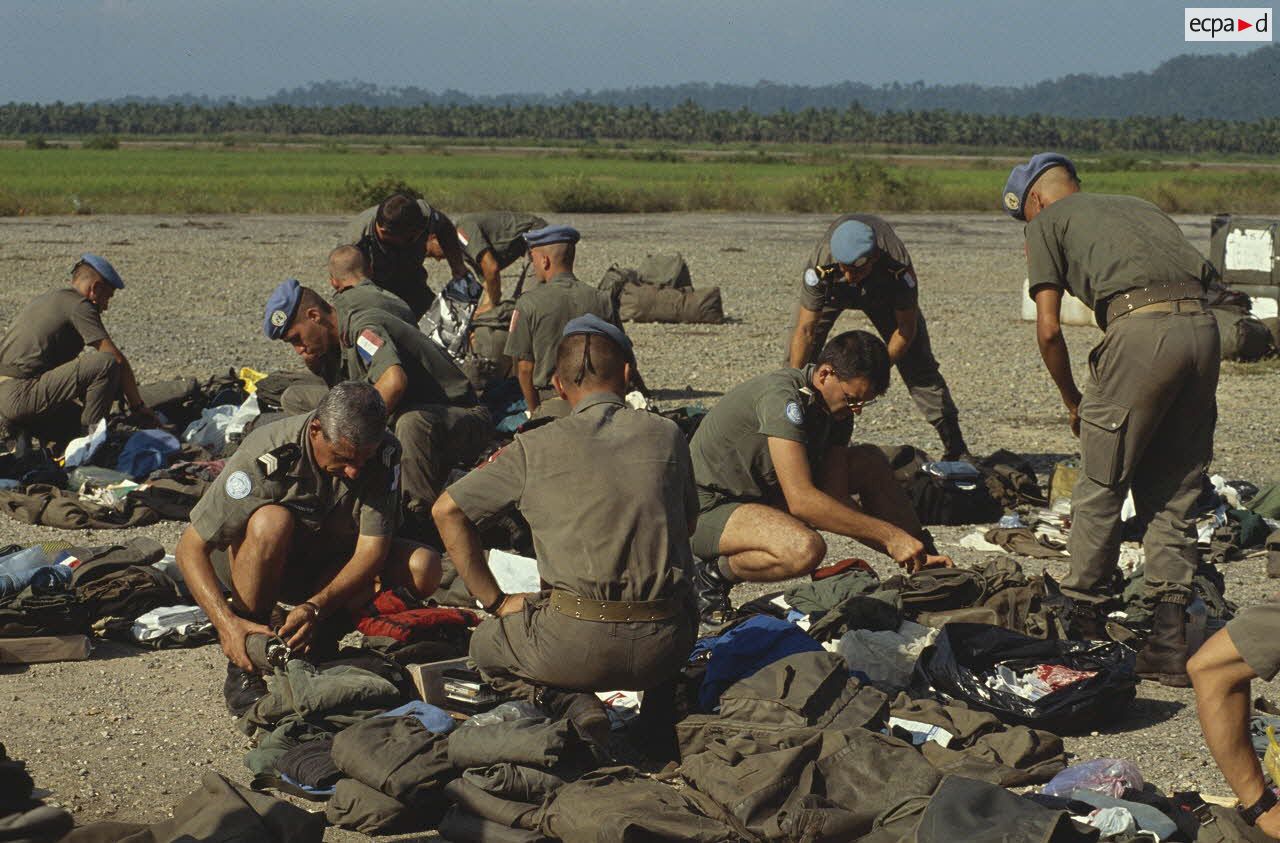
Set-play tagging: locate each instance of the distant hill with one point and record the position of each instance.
(1227, 87)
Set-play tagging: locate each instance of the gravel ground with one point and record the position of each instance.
(127, 733)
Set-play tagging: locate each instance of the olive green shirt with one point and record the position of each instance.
(730, 449)
(52, 329)
(540, 316)
(373, 341)
(397, 269)
(891, 284)
(1096, 245)
(608, 492)
(499, 232)
(366, 295)
(369, 505)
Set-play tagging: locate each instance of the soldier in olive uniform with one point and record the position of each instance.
(1146, 424)
(609, 495)
(774, 465)
(352, 289)
(306, 510)
(1222, 671)
(393, 237)
(491, 242)
(860, 264)
(46, 384)
(433, 409)
(543, 311)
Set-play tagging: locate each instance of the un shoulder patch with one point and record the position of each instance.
(909, 279)
(811, 278)
(239, 486)
(794, 414)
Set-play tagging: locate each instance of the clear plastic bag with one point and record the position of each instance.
(1110, 776)
(514, 710)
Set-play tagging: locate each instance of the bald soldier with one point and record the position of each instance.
(46, 384)
(352, 289)
(774, 466)
(1146, 422)
(861, 264)
(306, 511)
(608, 493)
(491, 241)
(430, 403)
(543, 311)
(393, 238)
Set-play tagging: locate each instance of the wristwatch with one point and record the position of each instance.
(1254, 812)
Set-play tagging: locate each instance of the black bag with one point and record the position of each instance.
(1011, 480)
(951, 668)
(1244, 336)
(940, 501)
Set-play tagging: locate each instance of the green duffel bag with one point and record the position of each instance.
(1244, 337)
(646, 303)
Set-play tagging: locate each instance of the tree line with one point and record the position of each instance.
(686, 123)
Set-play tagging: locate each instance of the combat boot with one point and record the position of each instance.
(713, 590)
(1164, 657)
(953, 444)
(242, 689)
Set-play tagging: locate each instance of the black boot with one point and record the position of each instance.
(953, 445)
(1164, 657)
(242, 689)
(713, 590)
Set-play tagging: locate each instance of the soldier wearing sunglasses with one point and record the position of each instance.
(860, 264)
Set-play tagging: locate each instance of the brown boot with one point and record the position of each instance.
(1164, 657)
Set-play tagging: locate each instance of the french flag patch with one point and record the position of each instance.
(367, 345)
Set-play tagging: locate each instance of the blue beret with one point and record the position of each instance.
(552, 234)
(282, 305)
(592, 324)
(851, 240)
(1024, 175)
(103, 267)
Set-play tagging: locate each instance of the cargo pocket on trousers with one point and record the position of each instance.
(1102, 429)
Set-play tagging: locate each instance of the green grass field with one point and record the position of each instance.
(332, 178)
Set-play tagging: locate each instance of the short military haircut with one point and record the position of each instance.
(83, 270)
(348, 263)
(858, 354)
(308, 298)
(562, 254)
(400, 213)
(354, 412)
(589, 359)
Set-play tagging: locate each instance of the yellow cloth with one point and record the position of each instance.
(250, 378)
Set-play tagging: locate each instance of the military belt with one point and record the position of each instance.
(1168, 298)
(613, 611)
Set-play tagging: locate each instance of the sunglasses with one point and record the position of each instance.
(857, 405)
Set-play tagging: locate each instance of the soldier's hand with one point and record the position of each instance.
(299, 626)
(514, 603)
(906, 550)
(932, 560)
(1269, 822)
(1075, 420)
(232, 640)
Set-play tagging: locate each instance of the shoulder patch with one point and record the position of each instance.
(795, 415)
(367, 344)
(909, 279)
(238, 486)
(462, 237)
(811, 278)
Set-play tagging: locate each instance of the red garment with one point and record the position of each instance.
(1058, 676)
(389, 616)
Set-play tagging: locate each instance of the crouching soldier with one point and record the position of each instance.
(305, 512)
(609, 495)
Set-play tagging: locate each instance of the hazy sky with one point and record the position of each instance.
(81, 50)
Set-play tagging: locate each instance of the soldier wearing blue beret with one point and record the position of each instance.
(1146, 420)
(45, 382)
(860, 264)
(608, 493)
(491, 241)
(542, 312)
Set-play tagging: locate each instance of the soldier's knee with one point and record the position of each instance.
(270, 526)
(868, 460)
(100, 364)
(805, 551)
(424, 571)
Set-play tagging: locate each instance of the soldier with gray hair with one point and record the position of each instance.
(305, 513)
